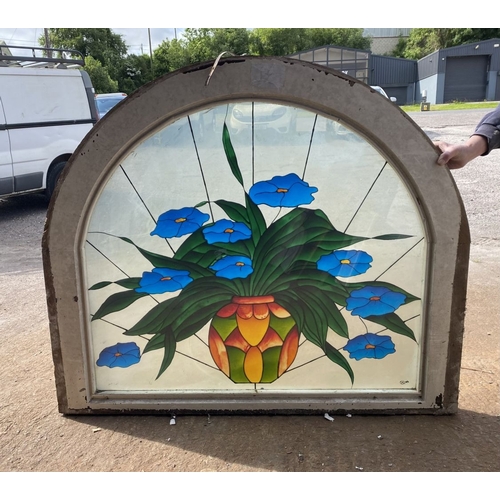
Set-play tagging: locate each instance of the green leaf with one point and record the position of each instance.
(130, 283)
(193, 241)
(196, 250)
(334, 317)
(154, 320)
(392, 237)
(231, 155)
(156, 342)
(202, 309)
(234, 211)
(356, 286)
(202, 315)
(298, 309)
(208, 254)
(335, 291)
(290, 222)
(313, 327)
(335, 356)
(158, 260)
(170, 345)
(117, 302)
(209, 284)
(394, 323)
(301, 235)
(256, 220)
(289, 301)
(100, 285)
(173, 312)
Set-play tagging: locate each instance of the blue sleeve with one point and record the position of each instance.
(489, 128)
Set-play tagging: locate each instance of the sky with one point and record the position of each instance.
(136, 39)
(221, 13)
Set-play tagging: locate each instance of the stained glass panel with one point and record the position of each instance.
(255, 246)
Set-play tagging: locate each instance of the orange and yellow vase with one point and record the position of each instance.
(253, 339)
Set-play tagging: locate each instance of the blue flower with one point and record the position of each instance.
(345, 263)
(374, 301)
(120, 355)
(176, 223)
(282, 191)
(226, 231)
(234, 266)
(370, 346)
(162, 280)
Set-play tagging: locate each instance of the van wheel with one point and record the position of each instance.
(52, 178)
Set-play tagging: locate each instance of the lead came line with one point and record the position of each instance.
(144, 203)
(107, 258)
(310, 145)
(201, 168)
(366, 196)
(324, 355)
(397, 260)
(194, 359)
(253, 143)
(137, 193)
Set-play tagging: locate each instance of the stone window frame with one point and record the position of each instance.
(318, 89)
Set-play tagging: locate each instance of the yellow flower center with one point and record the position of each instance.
(240, 264)
(229, 230)
(282, 190)
(374, 298)
(369, 346)
(345, 261)
(166, 278)
(181, 219)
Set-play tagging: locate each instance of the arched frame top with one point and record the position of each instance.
(301, 85)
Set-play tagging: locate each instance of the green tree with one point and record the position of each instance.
(204, 44)
(169, 56)
(343, 37)
(286, 41)
(235, 40)
(278, 41)
(399, 50)
(424, 41)
(197, 45)
(470, 35)
(101, 43)
(178, 54)
(102, 82)
(134, 72)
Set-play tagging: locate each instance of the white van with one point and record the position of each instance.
(46, 109)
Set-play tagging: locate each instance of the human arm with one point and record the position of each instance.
(489, 128)
(458, 155)
(485, 138)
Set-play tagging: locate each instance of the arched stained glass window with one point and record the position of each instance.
(264, 249)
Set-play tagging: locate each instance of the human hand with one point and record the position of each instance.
(458, 155)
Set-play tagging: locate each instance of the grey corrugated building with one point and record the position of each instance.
(397, 76)
(464, 73)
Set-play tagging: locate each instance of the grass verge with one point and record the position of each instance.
(453, 105)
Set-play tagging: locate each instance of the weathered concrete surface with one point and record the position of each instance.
(35, 437)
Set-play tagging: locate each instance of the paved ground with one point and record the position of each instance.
(35, 437)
